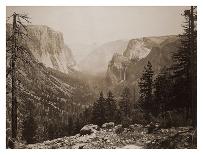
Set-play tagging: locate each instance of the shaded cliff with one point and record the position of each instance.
(129, 66)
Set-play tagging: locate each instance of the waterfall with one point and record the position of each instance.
(124, 74)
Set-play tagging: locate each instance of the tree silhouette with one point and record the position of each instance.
(162, 92)
(110, 107)
(29, 124)
(14, 45)
(125, 103)
(185, 66)
(98, 115)
(145, 85)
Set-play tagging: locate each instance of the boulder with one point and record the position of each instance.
(119, 129)
(138, 125)
(150, 127)
(109, 125)
(89, 129)
(132, 127)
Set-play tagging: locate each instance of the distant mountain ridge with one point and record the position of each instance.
(97, 60)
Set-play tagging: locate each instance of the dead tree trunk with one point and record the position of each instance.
(13, 75)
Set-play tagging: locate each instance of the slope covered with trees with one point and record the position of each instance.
(40, 101)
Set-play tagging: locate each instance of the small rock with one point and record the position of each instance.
(108, 125)
(108, 141)
(89, 129)
(119, 129)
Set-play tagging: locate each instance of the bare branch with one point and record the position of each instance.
(8, 18)
(25, 17)
(19, 21)
(8, 71)
(9, 39)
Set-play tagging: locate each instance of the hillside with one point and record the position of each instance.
(54, 95)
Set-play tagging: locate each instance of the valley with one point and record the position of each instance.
(134, 93)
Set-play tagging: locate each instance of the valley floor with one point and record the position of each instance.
(136, 138)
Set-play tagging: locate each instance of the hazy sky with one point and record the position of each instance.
(88, 25)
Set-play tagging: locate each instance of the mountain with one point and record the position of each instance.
(128, 66)
(54, 95)
(80, 51)
(97, 60)
(48, 47)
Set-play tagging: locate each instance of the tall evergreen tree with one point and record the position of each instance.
(70, 125)
(110, 108)
(77, 126)
(125, 103)
(162, 92)
(125, 107)
(29, 125)
(145, 90)
(51, 131)
(98, 116)
(18, 33)
(185, 68)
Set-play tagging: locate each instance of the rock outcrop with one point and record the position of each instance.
(48, 47)
(108, 125)
(89, 129)
(136, 49)
(129, 65)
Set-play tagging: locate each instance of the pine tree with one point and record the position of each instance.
(77, 126)
(110, 108)
(145, 85)
(29, 125)
(185, 68)
(125, 107)
(98, 116)
(18, 33)
(125, 103)
(162, 92)
(51, 131)
(70, 125)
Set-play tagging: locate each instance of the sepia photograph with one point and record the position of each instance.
(101, 77)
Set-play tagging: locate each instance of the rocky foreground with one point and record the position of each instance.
(117, 137)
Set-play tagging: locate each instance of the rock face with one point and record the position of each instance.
(129, 66)
(48, 47)
(116, 68)
(136, 49)
(89, 129)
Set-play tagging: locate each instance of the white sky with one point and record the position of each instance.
(88, 25)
